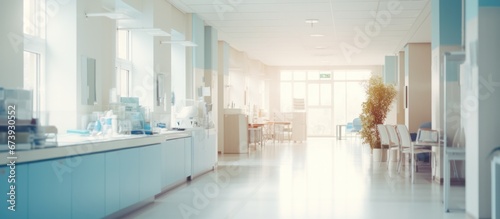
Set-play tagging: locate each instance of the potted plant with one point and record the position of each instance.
(379, 97)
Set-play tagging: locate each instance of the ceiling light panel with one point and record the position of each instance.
(312, 21)
(180, 42)
(261, 8)
(111, 15)
(353, 6)
(150, 31)
(408, 5)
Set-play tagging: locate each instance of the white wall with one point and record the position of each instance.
(152, 60)
(95, 39)
(246, 82)
(61, 68)
(11, 42)
(178, 68)
(481, 95)
(223, 71)
(162, 59)
(178, 20)
(237, 89)
(401, 88)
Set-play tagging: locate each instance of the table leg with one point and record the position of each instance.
(289, 133)
(261, 137)
(446, 178)
(274, 133)
(412, 169)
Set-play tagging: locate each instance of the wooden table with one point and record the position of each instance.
(256, 129)
(284, 123)
(338, 131)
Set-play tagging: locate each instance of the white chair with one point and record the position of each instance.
(384, 140)
(394, 143)
(356, 126)
(427, 137)
(409, 147)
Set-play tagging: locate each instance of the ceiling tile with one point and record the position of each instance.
(274, 31)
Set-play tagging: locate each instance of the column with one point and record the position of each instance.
(12, 44)
(223, 71)
(417, 85)
(446, 37)
(481, 101)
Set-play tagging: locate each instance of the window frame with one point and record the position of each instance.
(35, 42)
(123, 64)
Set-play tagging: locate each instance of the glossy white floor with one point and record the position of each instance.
(323, 178)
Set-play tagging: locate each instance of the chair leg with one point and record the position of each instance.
(388, 157)
(399, 161)
(455, 170)
(381, 155)
(413, 168)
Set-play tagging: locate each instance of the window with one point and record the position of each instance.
(122, 47)
(32, 78)
(124, 83)
(332, 97)
(123, 63)
(34, 22)
(34, 18)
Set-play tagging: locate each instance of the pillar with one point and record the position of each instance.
(481, 101)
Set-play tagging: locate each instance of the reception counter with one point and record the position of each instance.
(97, 178)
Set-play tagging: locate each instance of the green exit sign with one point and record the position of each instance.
(322, 75)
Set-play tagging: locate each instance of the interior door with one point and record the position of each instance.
(319, 109)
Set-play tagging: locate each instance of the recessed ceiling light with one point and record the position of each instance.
(150, 31)
(317, 35)
(320, 47)
(181, 42)
(111, 15)
(312, 21)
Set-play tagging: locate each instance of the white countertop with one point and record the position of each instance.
(74, 145)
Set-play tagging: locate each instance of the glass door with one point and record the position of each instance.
(332, 98)
(319, 109)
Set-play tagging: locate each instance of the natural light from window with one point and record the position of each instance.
(332, 97)
(34, 25)
(123, 63)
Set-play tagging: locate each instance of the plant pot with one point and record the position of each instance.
(377, 156)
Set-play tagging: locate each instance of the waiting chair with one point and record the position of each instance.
(356, 125)
(409, 147)
(348, 128)
(395, 143)
(384, 140)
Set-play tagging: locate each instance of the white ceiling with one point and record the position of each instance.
(275, 31)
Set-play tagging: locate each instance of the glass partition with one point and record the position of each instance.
(332, 97)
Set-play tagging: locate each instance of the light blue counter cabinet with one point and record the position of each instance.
(49, 187)
(188, 157)
(150, 171)
(107, 182)
(21, 191)
(89, 187)
(173, 169)
(204, 151)
(129, 177)
(112, 182)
